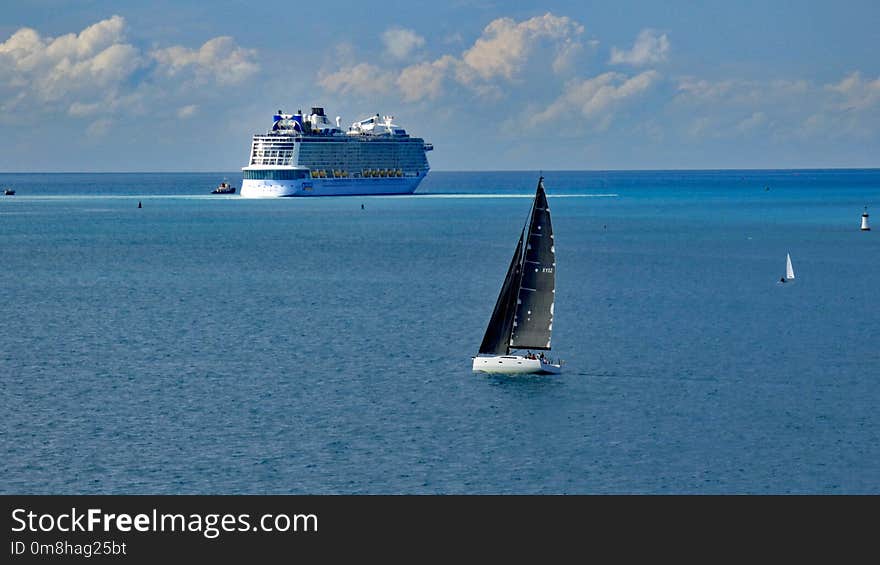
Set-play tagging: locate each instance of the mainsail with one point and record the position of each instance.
(789, 271)
(523, 314)
(533, 322)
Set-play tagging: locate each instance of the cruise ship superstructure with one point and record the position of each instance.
(307, 155)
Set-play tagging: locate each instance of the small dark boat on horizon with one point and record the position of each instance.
(224, 188)
(8, 192)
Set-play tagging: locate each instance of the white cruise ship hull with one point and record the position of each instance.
(514, 365)
(329, 187)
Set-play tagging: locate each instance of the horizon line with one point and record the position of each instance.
(207, 171)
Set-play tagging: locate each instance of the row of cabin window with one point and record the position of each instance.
(275, 175)
(286, 154)
(270, 161)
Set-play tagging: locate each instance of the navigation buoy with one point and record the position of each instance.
(865, 226)
(139, 204)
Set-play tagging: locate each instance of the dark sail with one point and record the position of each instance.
(533, 322)
(498, 332)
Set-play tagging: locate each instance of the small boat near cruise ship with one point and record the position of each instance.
(523, 314)
(307, 155)
(224, 188)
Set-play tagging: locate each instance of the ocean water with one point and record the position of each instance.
(213, 344)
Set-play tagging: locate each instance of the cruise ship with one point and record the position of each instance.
(307, 155)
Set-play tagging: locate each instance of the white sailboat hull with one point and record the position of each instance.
(514, 365)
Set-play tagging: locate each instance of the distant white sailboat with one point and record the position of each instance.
(789, 270)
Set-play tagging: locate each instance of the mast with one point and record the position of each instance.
(533, 320)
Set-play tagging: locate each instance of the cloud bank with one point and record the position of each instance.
(781, 109)
(507, 55)
(596, 98)
(520, 75)
(501, 53)
(96, 71)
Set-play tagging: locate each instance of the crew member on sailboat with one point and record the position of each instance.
(523, 314)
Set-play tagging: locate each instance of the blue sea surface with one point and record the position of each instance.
(213, 344)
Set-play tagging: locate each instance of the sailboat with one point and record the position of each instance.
(789, 270)
(523, 314)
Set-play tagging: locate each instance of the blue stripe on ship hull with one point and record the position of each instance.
(331, 187)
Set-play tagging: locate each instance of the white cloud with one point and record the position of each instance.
(400, 42)
(783, 108)
(24, 49)
(566, 55)
(219, 59)
(650, 47)
(91, 40)
(28, 51)
(501, 52)
(848, 84)
(505, 45)
(424, 80)
(95, 73)
(596, 98)
(362, 78)
(90, 64)
(107, 68)
(857, 93)
(740, 92)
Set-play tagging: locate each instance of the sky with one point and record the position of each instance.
(563, 85)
